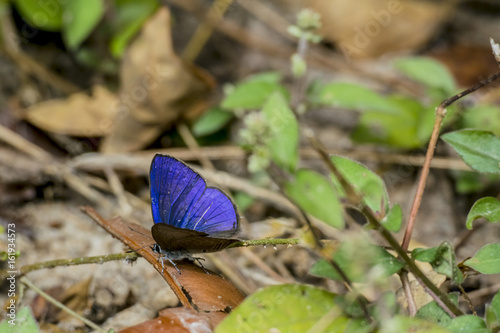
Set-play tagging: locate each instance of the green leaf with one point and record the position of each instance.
(486, 260)
(401, 128)
(467, 324)
(442, 259)
(435, 313)
(253, 92)
(129, 18)
(211, 121)
(479, 149)
(43, 15)
(80, 18)
(285, 308)
(284, 132)
(349, 96)
(366, 183)
(316, 196)
(427, 71)
(492, 311)
(24, 322)
(485, 117)
(406, 324)
(357, 259)
(487, 207)
(393, 220)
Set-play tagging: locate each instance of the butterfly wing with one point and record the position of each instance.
(170, 238)
(180, 198)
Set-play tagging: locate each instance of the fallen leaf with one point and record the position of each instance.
(372, 27)
(157, 88)
(194, 287)
(79, 115)
(177, 320)
(480, 63)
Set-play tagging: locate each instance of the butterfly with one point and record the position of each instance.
(188, 216)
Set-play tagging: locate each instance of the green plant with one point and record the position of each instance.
(77, 19)
(398, 121)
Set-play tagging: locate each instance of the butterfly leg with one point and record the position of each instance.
(198, 260)
(162, 259)
(175, 266)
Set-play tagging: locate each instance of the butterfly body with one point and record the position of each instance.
(189, 217)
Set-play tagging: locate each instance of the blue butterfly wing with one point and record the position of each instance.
(180, 198)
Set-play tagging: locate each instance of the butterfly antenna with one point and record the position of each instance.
(140, 233)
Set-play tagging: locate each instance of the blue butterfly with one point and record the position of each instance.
(188, 216)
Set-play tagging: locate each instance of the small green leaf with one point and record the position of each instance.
(349, 96)
(393, 220)
(466, 324)
(442, 260)
(493, 311)
(357, 259)
(23, 322)
(435, 313)
(129, 18)
(485, 117)
(211, 121)
(316, 196)
(80, 18)
(367, 184)
(43, 15)
(284, 132)
(285, 308)
(253, 92)
(479, 149)
(487, 207)
(486, 260)
(401, 128)
(427, 71)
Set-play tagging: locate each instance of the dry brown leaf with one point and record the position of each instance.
(76, 298)
(194, 287)
(177, 320)
(479, 60)
(77, 115)
(157, 88)
(369, 28)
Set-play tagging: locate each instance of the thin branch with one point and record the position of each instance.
(440, 114)
(423, 179)
(264, 242)
(412, 306)
(129, 256)
(61, 306)
(205, 30)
